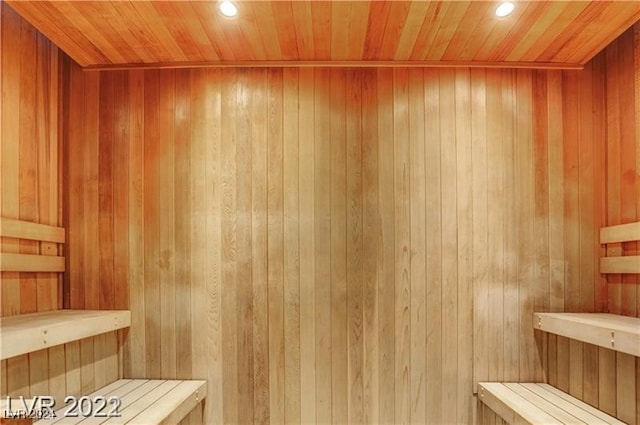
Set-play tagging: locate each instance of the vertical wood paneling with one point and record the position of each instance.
(386, 246)
(600, 166)
(623, 195)
(322, 234)
(31, 156)
(275, 248)
(29, 145)
(402, 220)
(417, 195)
(307, 175)
(464, 205)
(338, 250)
(291, 183)
(319, 244)
(355, 294)
(359, 242)
(434, 242)
(337, 234)
(370, 240)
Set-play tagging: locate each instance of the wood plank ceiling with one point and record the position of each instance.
(547, 33)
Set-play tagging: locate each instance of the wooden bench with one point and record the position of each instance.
(141, 402)
(31, 332)
(619, 333)
(542, 404)
(126, 401)
(27, 333)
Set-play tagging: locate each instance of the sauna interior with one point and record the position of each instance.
(320, 212)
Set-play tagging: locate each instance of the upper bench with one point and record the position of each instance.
(619, 333)
(26, 333)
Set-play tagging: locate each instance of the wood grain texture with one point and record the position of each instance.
(622, 61)
(442, 32)
(379, 230)
(29, 146)
(32, 153)
(347, 210)
(607, 93)
(28, 155)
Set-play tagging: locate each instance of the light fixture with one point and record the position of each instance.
(228, 9)
(505, 9)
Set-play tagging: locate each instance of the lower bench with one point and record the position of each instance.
(539, 404)
(135, 401)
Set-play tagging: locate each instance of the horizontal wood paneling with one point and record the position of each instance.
(143, 32)
(30, 155)
(336, 245)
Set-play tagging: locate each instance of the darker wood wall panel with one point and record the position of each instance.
(600, 119)
(32, 157)
(623, 199)
(30, 153)
(339, 245)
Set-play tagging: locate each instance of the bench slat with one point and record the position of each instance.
(620, 233)
(139, 406)
(626, 264)
(512, 407)
(121, 388)
(21, 229)
(182, 399)
(557, 412)
(582, 410)
(31, 263)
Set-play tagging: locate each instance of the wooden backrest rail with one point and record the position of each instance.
(48, 236)
(615, 236)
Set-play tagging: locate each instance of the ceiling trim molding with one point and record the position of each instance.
(340, 64)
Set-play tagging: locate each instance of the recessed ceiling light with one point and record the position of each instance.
(505, 9)
(228, 9)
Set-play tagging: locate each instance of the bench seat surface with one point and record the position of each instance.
(539, 404)
(27, 333)
(619, 333)
(142, 402)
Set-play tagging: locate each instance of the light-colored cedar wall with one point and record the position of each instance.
(337, 245)
(30, 155)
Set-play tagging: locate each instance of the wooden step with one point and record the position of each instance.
(539, 404)
(139, 402)
(619, 333)
(32, 332)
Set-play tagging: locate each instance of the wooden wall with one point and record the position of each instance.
(336, 245)
(604, 378)
(623, 196)
(30, 156)
(324, 245)
(30, 152)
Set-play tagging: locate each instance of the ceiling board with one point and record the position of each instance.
(108, 33)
